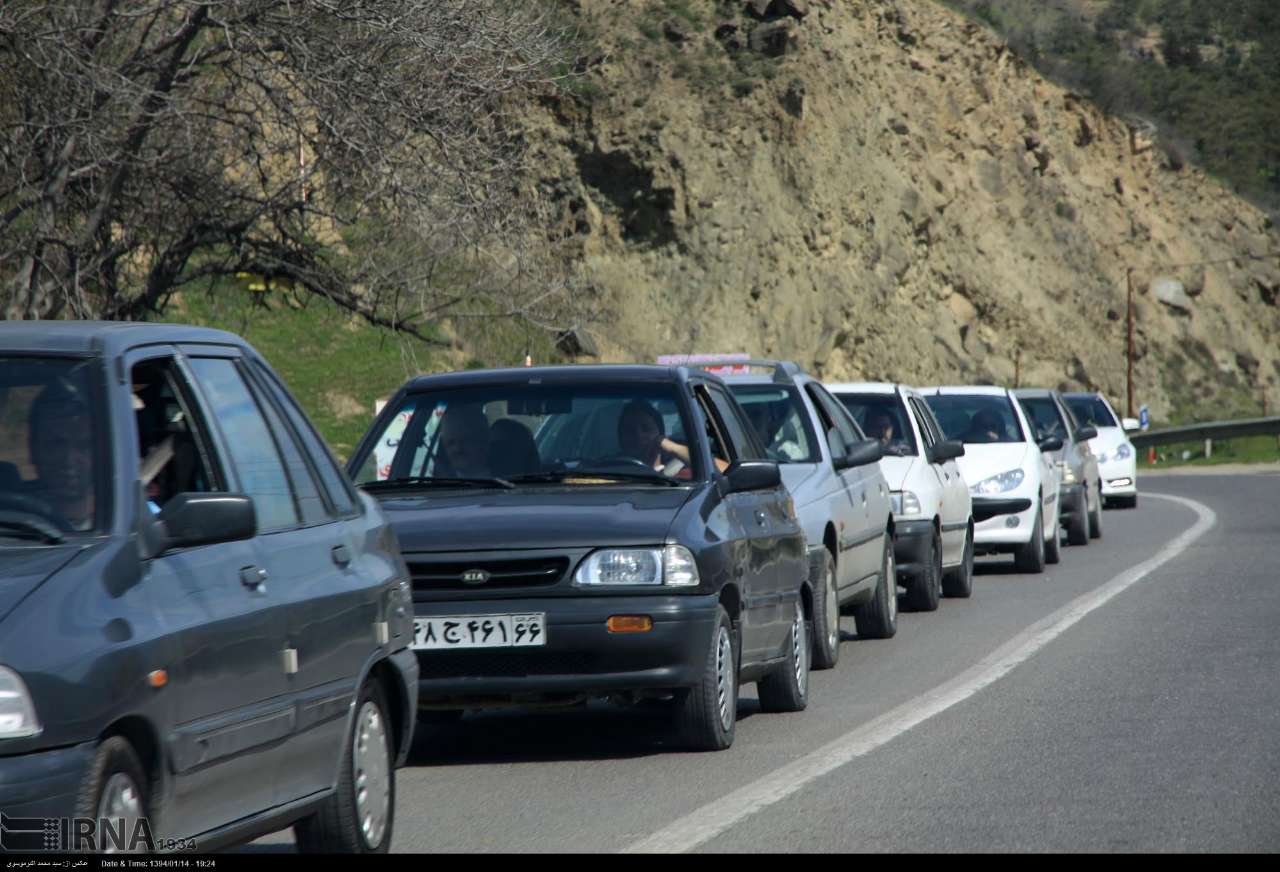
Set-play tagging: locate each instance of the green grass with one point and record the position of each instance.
(1252, 449)
(335, 365)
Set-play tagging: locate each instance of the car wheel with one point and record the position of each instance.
(1078, 525)
(1053, 547)
(357, 817)
(1130, 502)
(708, 712)
(1095, 517)
(787, 688)
(878, 619)
(959, 581)
(115, 788)
(1030, 557)
(926, 588)
(826, 616)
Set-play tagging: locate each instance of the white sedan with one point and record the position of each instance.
(1117, 458)
(1013, 485)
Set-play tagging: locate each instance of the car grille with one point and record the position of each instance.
(504, 663)
(520, 572)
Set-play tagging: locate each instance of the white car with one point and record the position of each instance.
(1117, 458)
(932, 508)
(1013, 484)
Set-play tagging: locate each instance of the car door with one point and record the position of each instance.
(226, 681)
(953, 516)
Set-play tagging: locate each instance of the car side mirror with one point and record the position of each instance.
(861, 454)
(753, 475)
(192, 519)
(1053, 443)
(944, 451)
(1130, 424)
(1084, 434)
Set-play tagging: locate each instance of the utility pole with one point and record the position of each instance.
(1128, 317)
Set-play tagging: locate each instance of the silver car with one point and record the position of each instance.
(831, 469)
(1081, 489)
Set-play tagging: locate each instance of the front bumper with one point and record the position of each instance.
(43, 784)
(910, 546)
(1006, 531)
(581, 656)
(1119, 477)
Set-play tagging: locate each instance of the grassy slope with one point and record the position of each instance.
(1255, 449)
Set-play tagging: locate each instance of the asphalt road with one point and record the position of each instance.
(1127, 699)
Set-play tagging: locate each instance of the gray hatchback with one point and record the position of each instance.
(203, 625)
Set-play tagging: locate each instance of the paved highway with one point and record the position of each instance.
(1126, 700)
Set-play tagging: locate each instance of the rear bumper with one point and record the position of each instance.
(910, 546)
(581, 656)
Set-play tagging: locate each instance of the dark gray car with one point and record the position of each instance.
(203, 625)
(1081, 489)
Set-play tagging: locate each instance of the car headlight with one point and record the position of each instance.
(673, 566)
(998, 484)
(905, 503)
(17, 711)
(1124, 452)
(1068, 474)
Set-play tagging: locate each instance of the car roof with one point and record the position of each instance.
(971, 390)
(103, 337)
(1034, 392)
(862, 387)
(593, 372)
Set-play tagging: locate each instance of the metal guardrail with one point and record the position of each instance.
(1210, 430)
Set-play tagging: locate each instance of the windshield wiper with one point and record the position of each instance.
(17, 528)
(549, 477)
(419, 481)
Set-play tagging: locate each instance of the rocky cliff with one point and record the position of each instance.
(880, 189)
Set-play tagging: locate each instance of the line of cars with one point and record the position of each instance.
(204, 625)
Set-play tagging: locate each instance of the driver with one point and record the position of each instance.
(880, 426)
(60, 441)
(642, 435)
(985, 426)
(464, 443)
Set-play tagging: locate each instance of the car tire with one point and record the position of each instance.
(1078, 524)
(786, 689)
(1095, 517)
(926, 588)
(1030, 557)
(357, 818)
(826, 616)
(1129, 502)
(707, 713)
(878, 619)
(958, 582)
(1053, 547)
(115, 786)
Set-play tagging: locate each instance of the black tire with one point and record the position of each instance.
(826, 616)
(1130, 502)
(958, 582)
(704, 721)
(336, 828)
(1078, 524)
(786, 689)
(878, 619)
(1053, 548)
(1095, 517)
(115, 767)
(1030, 557)
(926, 588)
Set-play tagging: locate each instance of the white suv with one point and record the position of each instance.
(932, 509)
(1117, 458)
(1014, 486)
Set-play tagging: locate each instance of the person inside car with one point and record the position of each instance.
(775, 439)
(60, 434)
(880, 426)
(464, 443)
(985, 426)
(642, 435)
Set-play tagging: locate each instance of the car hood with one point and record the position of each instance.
(22, 570)
(529, 517)
(896, 470)
(983, 460)
(1107, 440)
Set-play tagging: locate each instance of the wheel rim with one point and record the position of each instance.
(800, 649)
(891, 584)
(724, 678)
(371, 771)
(120, 798)
(833, 611)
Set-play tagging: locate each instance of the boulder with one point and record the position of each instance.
(1172, 293)
(773, 38)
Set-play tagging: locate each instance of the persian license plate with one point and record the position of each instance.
(479, 631)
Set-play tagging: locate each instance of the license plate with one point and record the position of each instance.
(479, 631)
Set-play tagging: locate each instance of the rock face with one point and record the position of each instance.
(900, 198)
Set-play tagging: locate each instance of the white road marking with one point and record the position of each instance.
(718, 816)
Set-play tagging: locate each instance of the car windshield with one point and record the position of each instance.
(1042, 414)
(509, 435)
(53, 477)
(883, 417)
(976, 418)
(1092, 411)
(780, 421)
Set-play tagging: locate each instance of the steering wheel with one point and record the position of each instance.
(20, 506)
(623, 460)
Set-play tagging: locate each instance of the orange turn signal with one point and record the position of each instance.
(158, 678)
(630, 624)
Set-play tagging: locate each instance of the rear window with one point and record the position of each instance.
(976, 418)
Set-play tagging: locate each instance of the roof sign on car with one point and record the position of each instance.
(721, 364)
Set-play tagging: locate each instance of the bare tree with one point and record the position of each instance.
(360, 149)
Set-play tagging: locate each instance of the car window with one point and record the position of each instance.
(1092, 411)
(526, 431)
(1043, 415)
(249, 441)
(929, 429)
(842, 432)
(976, 418)
(55, 471)
(742, 446)
(174, 450)
(781, 422)
(310, 504)
(883, 417)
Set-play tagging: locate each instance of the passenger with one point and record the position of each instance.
(772, 434)
(464, 443)
(642, 435)
(985, 426)
(60, 433)
(880, 426)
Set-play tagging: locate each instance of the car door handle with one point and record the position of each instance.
(760, 518)
(254, 578)
(341, 555)
(863, 494)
